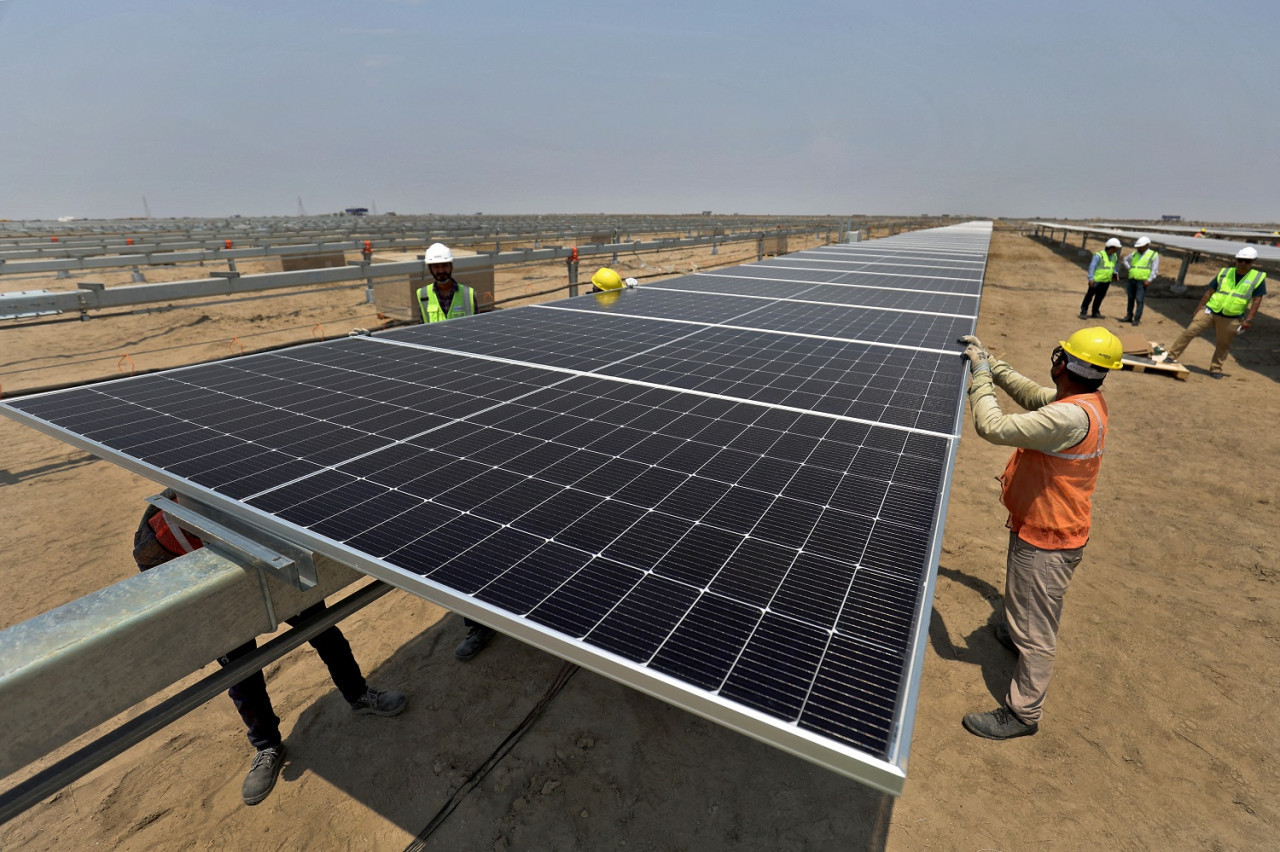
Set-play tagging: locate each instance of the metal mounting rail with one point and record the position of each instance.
(96, 297)
(48, 781)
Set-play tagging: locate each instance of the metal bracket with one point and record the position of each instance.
(288, 562)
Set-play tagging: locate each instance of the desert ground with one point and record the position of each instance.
(1160, 728)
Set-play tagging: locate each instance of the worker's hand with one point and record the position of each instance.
(974, 343)
(977, 356)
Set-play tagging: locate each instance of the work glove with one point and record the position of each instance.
(975, 352)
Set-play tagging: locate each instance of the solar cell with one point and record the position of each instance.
(720, 490)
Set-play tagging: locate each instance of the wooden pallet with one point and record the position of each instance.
(1139, 364)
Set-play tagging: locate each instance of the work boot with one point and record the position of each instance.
(477, 637)
(262, 774)
(378, 702)
(1127, 319)
(1096, 315)
(1137, 322)
(998, 724)
(1169, 359)
(1004, 637)
(1083, 315)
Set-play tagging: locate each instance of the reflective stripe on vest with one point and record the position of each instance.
(463, 304)
(1090, 452)
(1048, 494)
(1106, 268)
(1140, 268)
(1234, 296)
(171, 536)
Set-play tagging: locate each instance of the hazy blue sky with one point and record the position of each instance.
(1112, 109)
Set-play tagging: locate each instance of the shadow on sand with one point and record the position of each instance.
(603, 767)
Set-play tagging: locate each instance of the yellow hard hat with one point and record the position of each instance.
(1096, 346)
(606, 279)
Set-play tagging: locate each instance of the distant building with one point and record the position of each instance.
(1171, 218)
(357, 211)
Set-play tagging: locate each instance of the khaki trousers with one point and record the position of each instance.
(1224, 328)
(1035, 585)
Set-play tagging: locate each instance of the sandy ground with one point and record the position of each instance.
(1159, 732)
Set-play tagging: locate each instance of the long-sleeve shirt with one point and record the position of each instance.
(1155, 262)
(1048, 426)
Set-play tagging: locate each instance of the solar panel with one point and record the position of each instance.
(729, 499)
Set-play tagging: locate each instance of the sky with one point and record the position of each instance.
(995, 109)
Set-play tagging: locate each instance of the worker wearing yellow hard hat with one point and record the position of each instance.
(608, 285)
(606, 279)
(1047, 487)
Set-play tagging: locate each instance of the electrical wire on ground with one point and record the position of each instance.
(419, 843)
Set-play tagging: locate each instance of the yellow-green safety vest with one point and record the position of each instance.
(1140, 265)
(1106, 268)
(463, 304)
(1234, 296)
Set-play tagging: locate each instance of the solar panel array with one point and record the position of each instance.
(725, 488)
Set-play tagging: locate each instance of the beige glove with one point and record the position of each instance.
(975, 352)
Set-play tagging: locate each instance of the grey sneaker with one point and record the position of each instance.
(998, 724)
(1169, 359)
(477, 637)
(379, 702)
(262, 774)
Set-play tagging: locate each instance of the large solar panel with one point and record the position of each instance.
(725, 490)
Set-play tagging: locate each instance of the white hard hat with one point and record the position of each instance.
(1247, 253)
(1142, 241)
(1113, 243)
(438, 253)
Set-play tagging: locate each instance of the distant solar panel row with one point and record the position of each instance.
(724, 489)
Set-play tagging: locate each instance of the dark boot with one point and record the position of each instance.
(998, 724)
(262, 774)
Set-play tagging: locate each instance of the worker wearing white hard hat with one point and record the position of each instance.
(1141, 268)
(1229, 304)
(443, 298)
(1102, 271)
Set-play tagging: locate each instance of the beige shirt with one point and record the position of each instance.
(1047, 426)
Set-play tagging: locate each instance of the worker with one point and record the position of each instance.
(1229, 304)
(606, 280)
(608, 285)
(444, 298)
(1046, 486)
(1141, 266)
(160, 539)
(1102, 271)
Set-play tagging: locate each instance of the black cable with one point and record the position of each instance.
(419, 843)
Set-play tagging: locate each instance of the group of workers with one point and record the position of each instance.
(1140, 267)
(1230, 301)
(1046, 486)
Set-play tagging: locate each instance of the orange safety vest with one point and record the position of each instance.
(1047, 494)
(172, 538)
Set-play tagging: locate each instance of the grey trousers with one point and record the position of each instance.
(1035, 585)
